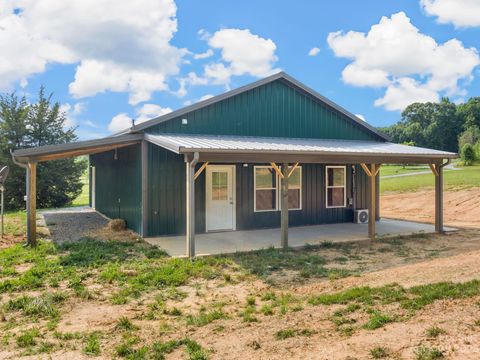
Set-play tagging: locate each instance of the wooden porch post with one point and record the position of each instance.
(372, 204)
(439, 199)
(32, 203)
(190, 205)
(372, 172)
(284, 206)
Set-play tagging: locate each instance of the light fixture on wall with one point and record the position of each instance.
(184, 121)
(245, 165)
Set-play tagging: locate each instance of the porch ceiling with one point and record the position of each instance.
(265, 149)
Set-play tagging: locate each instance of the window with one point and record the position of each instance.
(335, 183)
(267, 189)
(219, 185)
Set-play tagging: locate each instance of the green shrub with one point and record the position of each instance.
(468, 154)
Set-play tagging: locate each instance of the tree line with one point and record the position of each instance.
(443, 126)
(24, 125)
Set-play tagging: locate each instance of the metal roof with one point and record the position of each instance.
(229, 94)
(182, 144)
(76, 146)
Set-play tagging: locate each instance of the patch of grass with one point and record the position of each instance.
(92, 252)
(124, 323)
(377, 320)
(290, 332)
(426, 353)
(379, 352)
(44, 305)
(248, 314)
(267, 309)
(265, 262)
(435, 331)
(28, 338)
(92, 344)
(251, 300)
(203, 318)
(192, 348)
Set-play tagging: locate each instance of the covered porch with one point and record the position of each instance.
(234, 241)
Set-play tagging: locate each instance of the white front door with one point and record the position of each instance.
(220, 202)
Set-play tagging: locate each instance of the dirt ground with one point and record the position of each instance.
(461, 207)
(409, 261)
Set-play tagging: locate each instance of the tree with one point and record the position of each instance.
(42, 123)
(468, 154)
(470, 112)
(433, 125)
(470, 136)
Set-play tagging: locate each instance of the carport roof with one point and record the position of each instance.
(232, 145)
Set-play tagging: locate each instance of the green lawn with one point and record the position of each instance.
(82, 199)
(468, 176)
(387, 170)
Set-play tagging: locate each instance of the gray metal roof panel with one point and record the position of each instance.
(228, 94)
(79, 145)
(215, 143)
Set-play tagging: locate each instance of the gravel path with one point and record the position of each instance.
(71, 224)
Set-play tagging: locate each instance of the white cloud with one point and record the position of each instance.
(361, 117)
(120, 122)
(71, 113)
(123, 121)
(204, 55)
(314, 51)
(241, 53)
(118, 46)
(411, 66)
(461, 13)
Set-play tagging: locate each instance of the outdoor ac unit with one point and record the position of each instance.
(361, 216)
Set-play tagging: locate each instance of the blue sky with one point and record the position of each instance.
(105, 60)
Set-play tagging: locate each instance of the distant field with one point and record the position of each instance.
(465, 177)
(82, 199)
(387, 170)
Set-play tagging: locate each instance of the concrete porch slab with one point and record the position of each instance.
(233, 241)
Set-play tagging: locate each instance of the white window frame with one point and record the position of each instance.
(277, 189)
(344, 186)
(255, 188)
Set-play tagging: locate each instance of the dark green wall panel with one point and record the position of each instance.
(118, 185)
(166, 213)
(273, 110)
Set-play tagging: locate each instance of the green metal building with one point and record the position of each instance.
(239, 160)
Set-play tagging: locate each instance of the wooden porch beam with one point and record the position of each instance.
(199, 171)
(277, 170)
(366, 169)
(377, 170)
(292, 170)
(434, 169)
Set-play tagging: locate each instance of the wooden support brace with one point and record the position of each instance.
(292, 170)
(377, 170)
(199, 171)
(433, 167)
(277, 170)
(366, 169)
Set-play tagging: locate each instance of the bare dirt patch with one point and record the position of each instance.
(461, 207)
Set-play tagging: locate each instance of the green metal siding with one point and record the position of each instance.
(118, 185)
(273, 110)
(166, 212)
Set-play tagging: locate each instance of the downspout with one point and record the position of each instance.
(445, 164)
(25, 166)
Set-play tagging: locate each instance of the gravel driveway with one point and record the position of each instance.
(71, 224)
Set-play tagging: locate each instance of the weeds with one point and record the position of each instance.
(44, 305)
(426, 353)
(288, 333)
(379, 352)
(203, 318)
(28, 338)
(125, 324)
(435, 331)
(92, 344)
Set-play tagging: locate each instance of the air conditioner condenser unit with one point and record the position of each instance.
(360, 216)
